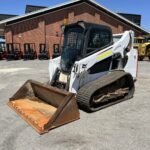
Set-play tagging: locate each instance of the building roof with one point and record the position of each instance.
(67, 4)
(32, 8)
(6, 16)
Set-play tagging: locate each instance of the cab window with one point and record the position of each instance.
(98, 39)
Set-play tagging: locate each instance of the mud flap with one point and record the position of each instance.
(44, 107)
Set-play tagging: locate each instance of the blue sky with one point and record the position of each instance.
(127, 6)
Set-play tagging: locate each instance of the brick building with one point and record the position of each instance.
(43, 26)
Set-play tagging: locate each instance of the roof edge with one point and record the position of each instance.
(38, 11)
(121, 17)
(72, 2)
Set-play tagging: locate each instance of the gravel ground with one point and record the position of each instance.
(125, 126)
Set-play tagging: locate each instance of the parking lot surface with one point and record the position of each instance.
(124, 126)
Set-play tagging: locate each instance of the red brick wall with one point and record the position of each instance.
(46, 28)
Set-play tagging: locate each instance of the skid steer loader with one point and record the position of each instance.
(2, 49)
(56, 50)
(43, 52)
(29, 51)
(14, 51)
(95, 70)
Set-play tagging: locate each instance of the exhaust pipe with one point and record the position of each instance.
(44, 107)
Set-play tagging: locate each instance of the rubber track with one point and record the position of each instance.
(84, 94)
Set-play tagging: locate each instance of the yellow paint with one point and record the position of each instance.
(104, 55)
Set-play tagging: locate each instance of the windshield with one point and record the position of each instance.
(73, 44)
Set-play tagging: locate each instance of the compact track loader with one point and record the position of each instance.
(2, 49)
(56, 51)
(29, 51)
(14, 51)
(95, 70)
(43, 53)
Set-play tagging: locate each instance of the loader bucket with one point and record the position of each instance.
(44, 107)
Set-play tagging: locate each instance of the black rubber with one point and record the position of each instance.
(85, 93)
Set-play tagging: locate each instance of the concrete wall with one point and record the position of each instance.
(46, 28)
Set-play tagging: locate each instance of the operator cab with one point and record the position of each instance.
(81, 40)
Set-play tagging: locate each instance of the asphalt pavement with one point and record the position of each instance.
(124, 126)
